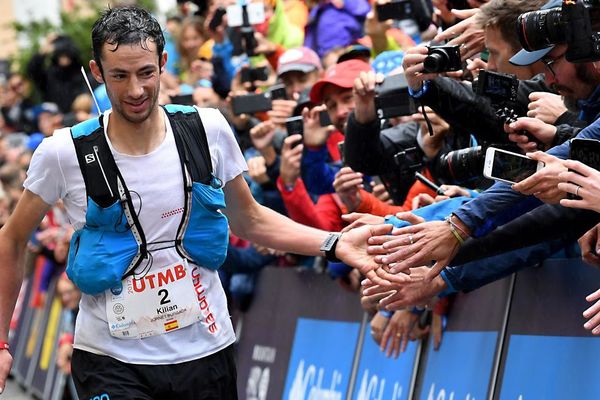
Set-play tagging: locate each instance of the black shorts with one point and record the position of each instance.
(104, 378)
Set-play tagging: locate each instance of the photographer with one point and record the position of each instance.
(578, 84)
(333, 91)
(456, 102)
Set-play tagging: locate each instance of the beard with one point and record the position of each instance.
(571, 103)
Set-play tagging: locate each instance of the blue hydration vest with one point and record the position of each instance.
(112, 244)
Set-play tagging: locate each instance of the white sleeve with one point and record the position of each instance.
(225, 153)
(44, 176)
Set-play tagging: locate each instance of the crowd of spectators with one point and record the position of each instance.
(320, 152)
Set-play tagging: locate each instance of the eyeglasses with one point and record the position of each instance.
(549, 62)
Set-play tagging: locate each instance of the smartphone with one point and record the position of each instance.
(324, 119)
(254, 74)
(217, 19)
(397, 10)
(251, 103)
(340, 146)
(506, 166)
(278, 92)
(295, 126)
(586, 151)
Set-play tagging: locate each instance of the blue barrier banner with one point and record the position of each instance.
(321, 359)
(461, 368)
(383, 378)
(551, 367)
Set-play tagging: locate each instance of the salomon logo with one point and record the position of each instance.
(103, 396)
(90, 158)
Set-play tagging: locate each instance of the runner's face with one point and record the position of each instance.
(132, 77)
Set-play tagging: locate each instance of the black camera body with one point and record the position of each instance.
(392, 98)
(442, 59)
(576, 23)
(417, 10)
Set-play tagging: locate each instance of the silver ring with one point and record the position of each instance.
(577, 191)
(410, 237)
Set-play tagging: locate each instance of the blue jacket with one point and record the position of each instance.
(501, 203)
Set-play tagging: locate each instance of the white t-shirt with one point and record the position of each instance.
(156, 184)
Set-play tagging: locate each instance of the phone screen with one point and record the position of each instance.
(512, 167)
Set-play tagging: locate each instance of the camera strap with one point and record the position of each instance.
(427, 121)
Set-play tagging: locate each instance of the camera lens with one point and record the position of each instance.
(540, 29)
(436, 61)
(462, 165)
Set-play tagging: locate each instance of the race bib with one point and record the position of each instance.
(160, 302)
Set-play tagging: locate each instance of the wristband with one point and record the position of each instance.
(455, 232)
(4, 346)
(420, 92)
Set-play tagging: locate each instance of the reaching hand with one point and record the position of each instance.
(467, 33)
(414, 246)
(540, 130)
(593, 313)
(359, 219)
(416, 291)
(546, 107)
(262, 135)
(257, 169)
(291, 160)
(451, 191)
(397, 332)
(584, 182)
(544, 183)
(437, 327)
(281, 110)
(347, 185)
(432, 141)
(364, 96)
(315, 134)
(378, 324)
(413, 67)
(590, 246)
(352, 249)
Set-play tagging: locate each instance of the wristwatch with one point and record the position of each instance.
(329, 245)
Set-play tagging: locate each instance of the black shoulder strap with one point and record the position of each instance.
(96, 162)
(192, 144)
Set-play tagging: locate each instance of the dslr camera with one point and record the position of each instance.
(461, 166)
(576, 23)
(442, 59)
(392, 98)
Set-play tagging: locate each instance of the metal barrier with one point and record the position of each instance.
(519, 338)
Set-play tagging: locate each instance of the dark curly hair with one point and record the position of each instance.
(126, 25)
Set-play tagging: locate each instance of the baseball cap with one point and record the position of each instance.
(46, 107)
(300, 59)
(525, 57)
(355, 51)
(341, 75)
